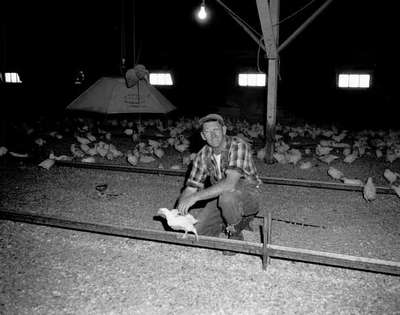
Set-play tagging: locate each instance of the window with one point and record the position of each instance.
(160, 78)
(354, 80)
(252, 79)
(12, 77)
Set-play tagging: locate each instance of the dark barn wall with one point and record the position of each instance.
(48, 50)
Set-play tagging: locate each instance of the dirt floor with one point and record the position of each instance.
(54, 271)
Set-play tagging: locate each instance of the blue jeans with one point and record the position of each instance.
(228, 209)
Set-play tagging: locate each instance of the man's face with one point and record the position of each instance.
(213, 132)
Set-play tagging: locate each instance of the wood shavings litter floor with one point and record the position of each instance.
(54, 271)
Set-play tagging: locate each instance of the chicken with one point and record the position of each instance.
(396, 189)
(40, 142)
(135, 137)
(82, 140)
(76, 152)
(390, 156)
(293, 156)
(59, 158)
(326, 143)
(281, 147)
(352, 181)
(85, 148)
(334, 173)
(181, 146)
(186, 160)
(47, 163)
(340, 137)
(346, 151)
(390, 176)
(114, 151)
(158, 152)
(171, 141)
(328, 158)
(261, 154)
(305, 165)
(281, 158)
(179, 222)
(19, 155)
(350, 158)
(90, 137)
(3, 151)
(154, 144)
(109, 156)
(128, 132)
(131, 158)
(320, 150)
(92, 151)
(89, 159)
(369, 190)
(146, 159)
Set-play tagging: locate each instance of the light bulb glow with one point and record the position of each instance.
(202, 14)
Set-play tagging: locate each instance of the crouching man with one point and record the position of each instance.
(232, 199)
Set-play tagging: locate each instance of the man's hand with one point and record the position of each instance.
(185, 202)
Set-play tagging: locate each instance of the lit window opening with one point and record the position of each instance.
(354, 80)
(252, 79)
(160, 78)
(12, 77)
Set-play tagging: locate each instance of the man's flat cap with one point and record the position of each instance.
(211, 117)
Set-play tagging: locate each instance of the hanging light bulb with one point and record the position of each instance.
(202, 13)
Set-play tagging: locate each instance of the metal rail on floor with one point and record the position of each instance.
(265, 249)
(266, 180)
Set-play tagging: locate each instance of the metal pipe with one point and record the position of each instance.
(265, 180)
(245, 28)
(304, 25)
(268, 250)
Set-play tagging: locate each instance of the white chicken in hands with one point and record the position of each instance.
(179, 222)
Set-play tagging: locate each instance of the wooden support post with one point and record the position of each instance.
(266, 260)
(265, 256)
(271, 110)
(269, 16)
(134, 33)
(269, 217)
(123, 40)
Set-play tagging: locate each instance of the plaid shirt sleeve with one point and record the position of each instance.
(240, 158)
(199, 171)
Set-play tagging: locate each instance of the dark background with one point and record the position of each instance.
(47, 43)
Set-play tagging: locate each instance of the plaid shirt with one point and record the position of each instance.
(236, 155)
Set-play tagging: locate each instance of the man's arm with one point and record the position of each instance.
(190, 195)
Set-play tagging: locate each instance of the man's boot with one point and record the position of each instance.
(234, 232)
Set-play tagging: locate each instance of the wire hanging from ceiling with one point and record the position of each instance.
(294, 13)
(237, 17)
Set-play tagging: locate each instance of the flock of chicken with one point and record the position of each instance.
(325, 144)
